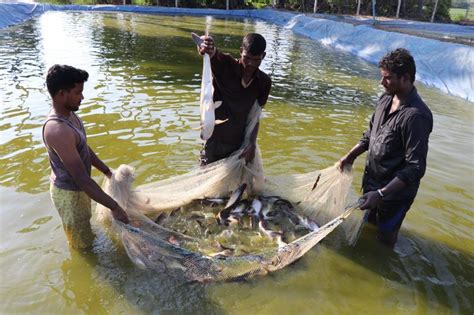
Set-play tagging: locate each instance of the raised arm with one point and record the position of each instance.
(207, 46)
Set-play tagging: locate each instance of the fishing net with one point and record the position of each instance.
(319, 196)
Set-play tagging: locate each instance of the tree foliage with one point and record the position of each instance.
(410, 9)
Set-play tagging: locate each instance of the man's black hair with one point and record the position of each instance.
(63, 77)
(254, 43)
(399, 61)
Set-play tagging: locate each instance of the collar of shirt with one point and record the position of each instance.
(240, 69)
(410, 99)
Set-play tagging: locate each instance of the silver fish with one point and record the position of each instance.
(148, 249)
(232, 205)
(206, 100)
(236, 196)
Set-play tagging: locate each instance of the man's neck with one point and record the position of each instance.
(61, 111)
(400, 97)
(246, 74)
(403, 94)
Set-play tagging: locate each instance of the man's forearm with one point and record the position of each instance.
(253, 136)
(394, 185)
(97, 163)
(90, 187)
(357, 150)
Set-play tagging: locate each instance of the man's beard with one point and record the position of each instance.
(391, 90)
(72, 108)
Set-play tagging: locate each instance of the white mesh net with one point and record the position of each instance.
(319, 196)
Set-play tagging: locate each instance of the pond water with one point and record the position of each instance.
(141, 108)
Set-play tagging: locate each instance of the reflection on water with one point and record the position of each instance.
(141, 108)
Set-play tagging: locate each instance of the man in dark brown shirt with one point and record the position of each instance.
(397, 145)
(238, 83)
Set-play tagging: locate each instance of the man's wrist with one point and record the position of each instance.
(380, 193)
(115, 206)
(211, 55)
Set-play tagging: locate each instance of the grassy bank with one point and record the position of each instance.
(457, 14)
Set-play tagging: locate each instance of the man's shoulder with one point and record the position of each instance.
(56, 128)
(385, 96)
(419, 108)
(383, 100)
(224, 56)
(265, 78)
(418, 114)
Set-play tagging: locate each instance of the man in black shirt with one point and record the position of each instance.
(397, 145)
(238, 83)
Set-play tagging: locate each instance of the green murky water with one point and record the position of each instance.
(141, 107)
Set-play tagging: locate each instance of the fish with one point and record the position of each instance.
(254, 212)
(236, 196)
(232, 214)
(266, 212)
(206, 100)
(263, 228)
(316, 183)
(165, 215)
(160, 218)
(310, 225)
(231, 220)
(256, 207)
(282, 207)
(269, 198)
(212, 202)
(147, 247)
(231, 205)
(274, 235)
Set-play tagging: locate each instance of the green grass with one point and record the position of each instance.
(258, 4)
(457, 15)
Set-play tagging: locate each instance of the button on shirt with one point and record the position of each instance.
(397, 145)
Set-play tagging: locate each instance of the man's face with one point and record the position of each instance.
(73, 97)
(249, 61)
(390, 81)
(393, 83)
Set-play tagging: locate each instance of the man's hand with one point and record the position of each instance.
(371, 200)
(120, 214)
(346, 160)
(207, 47)
(108, 173)
(248, 153)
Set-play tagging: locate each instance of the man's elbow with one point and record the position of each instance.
(82, 180)
(411, 175)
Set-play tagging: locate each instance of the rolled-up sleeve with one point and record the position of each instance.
(264, 90)
(364, 141)
(415, 137)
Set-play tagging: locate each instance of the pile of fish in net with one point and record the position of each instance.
(235, 226)
(235, 235)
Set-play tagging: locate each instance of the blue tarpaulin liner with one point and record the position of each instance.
(444, 65)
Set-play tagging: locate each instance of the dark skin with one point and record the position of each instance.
(250, 64)
(63, 140)
(400, 87)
